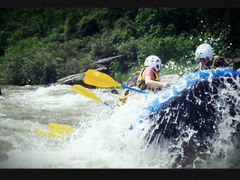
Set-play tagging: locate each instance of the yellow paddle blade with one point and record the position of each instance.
(50, 134)
(99, 79)
(60, 129)
(85, 92)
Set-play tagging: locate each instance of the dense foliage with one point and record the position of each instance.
(41, 45)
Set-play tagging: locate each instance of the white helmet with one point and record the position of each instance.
(203, 51)
(154, 62)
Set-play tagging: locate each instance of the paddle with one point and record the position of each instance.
(61, 128)
(50, 134)
(57, 131)
(86, 92)
(99, 79)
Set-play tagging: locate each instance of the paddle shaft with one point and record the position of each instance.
(133, 89)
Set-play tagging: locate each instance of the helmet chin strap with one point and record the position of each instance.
(157, 71)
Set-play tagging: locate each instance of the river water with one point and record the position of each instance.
(102, 138)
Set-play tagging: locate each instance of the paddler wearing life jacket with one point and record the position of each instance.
(204, 55)
(148, 78)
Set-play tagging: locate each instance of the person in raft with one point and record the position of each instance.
(204, 55)
(148, 78)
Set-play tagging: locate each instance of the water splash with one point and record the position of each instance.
(102, 138)
(201, 125)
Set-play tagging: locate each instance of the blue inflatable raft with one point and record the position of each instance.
(182, 85)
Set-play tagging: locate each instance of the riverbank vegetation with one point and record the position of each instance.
(41, 45)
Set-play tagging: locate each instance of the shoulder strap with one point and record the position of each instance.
(214, 61)
(140, 74)
(156, 76)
